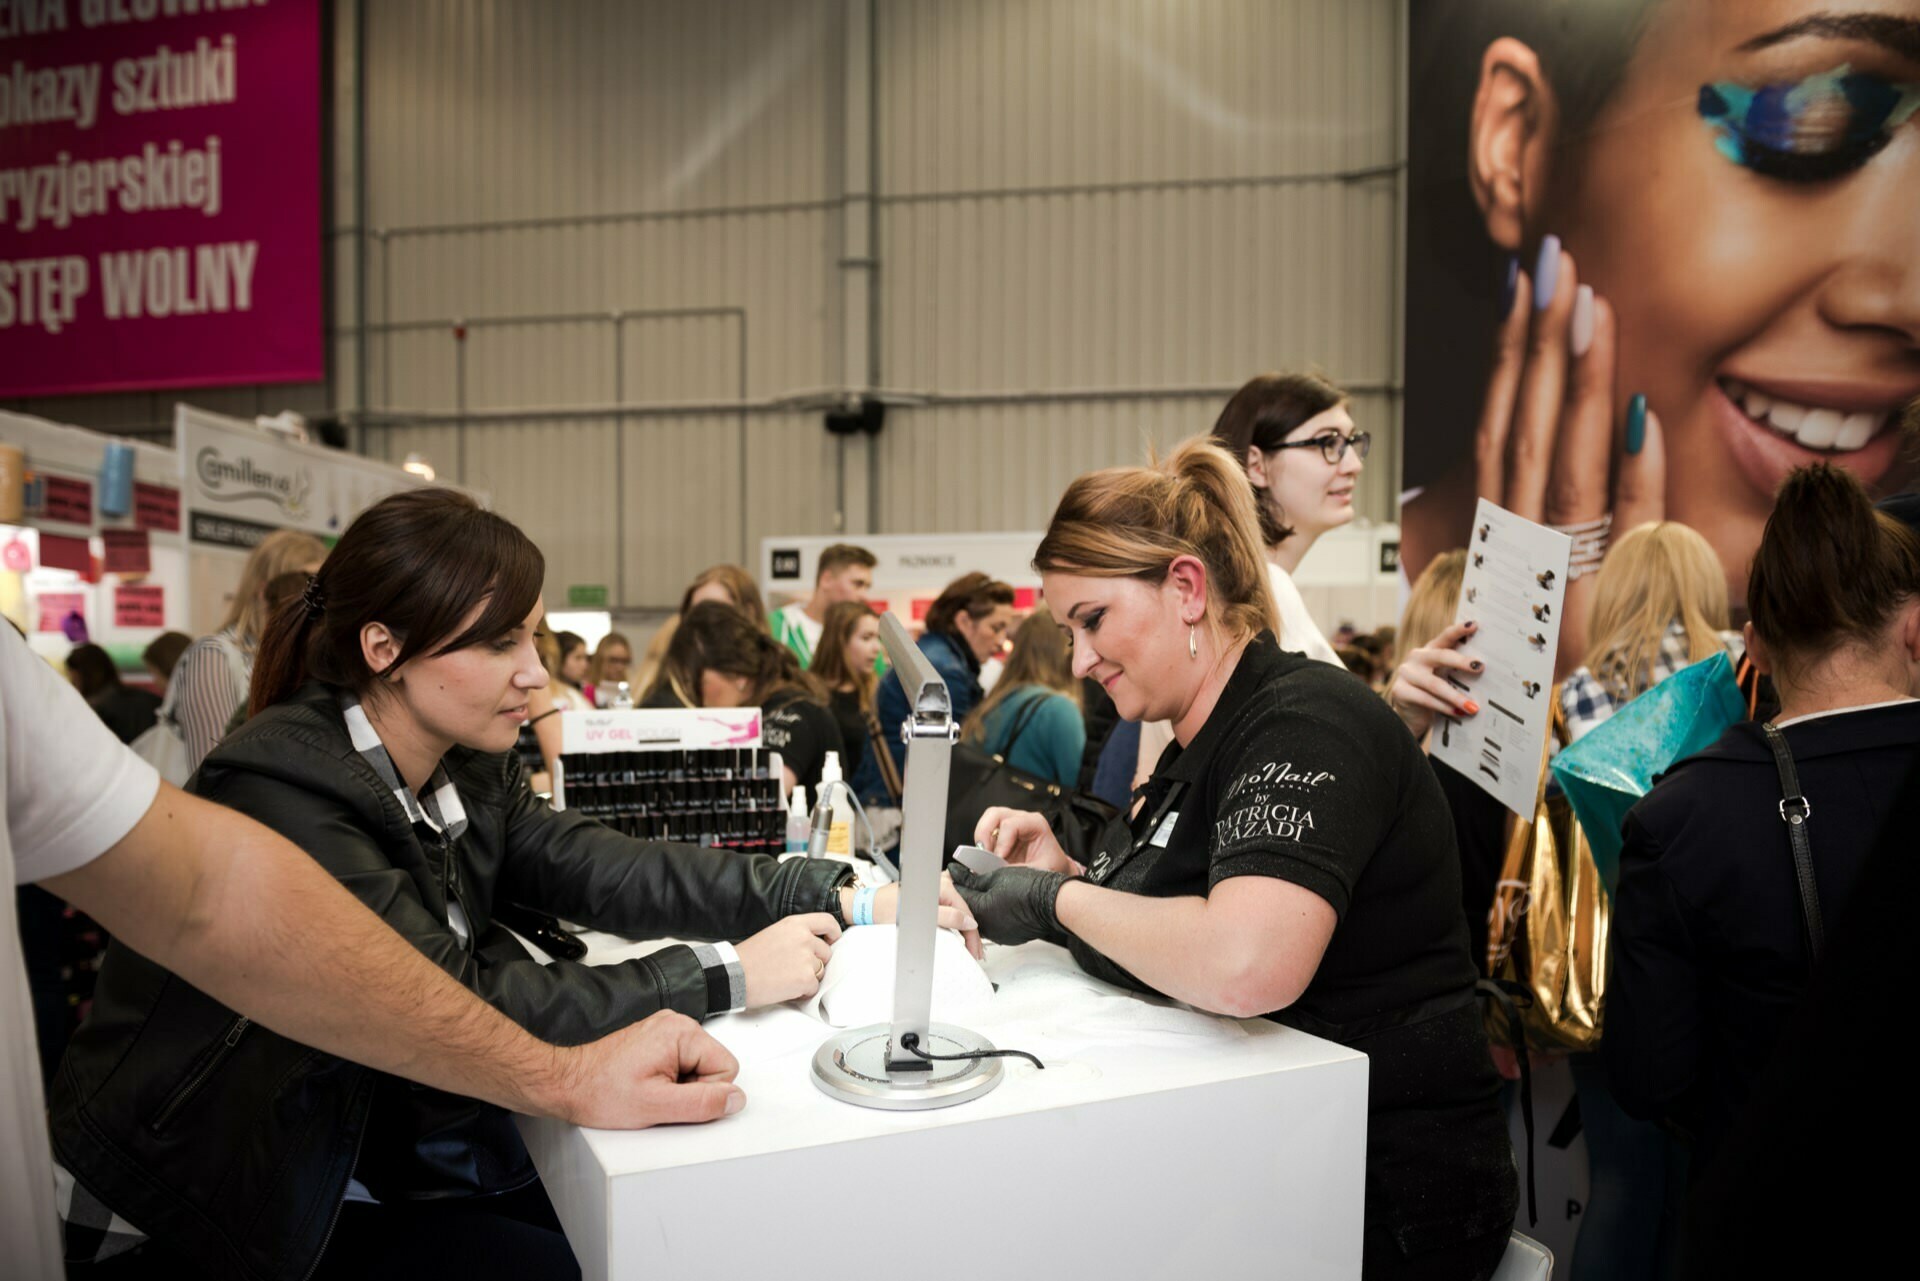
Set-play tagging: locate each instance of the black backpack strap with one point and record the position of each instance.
(1795, 811)
(1020, 723)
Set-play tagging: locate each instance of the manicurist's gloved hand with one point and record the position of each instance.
(1013, 904)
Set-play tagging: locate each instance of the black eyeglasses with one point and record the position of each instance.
(1333, 446)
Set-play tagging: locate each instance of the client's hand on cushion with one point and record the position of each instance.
(786, 960)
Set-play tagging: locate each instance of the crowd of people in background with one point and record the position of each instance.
(1154, 578)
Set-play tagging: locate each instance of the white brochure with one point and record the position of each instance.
(1515, 583)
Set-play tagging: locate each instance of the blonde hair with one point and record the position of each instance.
(1653, 576)
(1133, 522)
(738, 584)
(1040, 657)
(284, 551)
(1432, 602)
(611, 639)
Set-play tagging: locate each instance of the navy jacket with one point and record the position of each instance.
(956, 665)
(1709, 953)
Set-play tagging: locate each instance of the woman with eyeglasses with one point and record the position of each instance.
(1296, 439)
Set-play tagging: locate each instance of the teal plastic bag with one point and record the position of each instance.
(1614, 765)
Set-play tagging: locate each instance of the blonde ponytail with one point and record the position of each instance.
(1133, 522)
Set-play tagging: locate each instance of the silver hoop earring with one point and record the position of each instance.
(1193, 641)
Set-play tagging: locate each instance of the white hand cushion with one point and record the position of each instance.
(858, 986)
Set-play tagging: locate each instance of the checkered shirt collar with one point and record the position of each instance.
(439, 804)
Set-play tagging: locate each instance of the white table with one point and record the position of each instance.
(1158, 1143)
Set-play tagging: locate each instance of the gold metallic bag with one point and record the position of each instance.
(1547, 930)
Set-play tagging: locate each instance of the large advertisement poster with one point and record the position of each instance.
(159, 194)
(1660, 253)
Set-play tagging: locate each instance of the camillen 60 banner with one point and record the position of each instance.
(159, 194)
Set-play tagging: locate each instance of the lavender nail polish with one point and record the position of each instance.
(1546, 272)
(1510, 279)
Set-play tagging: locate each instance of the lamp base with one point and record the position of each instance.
(852, 1067)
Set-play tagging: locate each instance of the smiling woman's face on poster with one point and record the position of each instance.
(1713, 204)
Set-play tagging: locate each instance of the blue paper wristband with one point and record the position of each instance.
(863, 904)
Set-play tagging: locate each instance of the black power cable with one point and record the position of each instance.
(911, 1044)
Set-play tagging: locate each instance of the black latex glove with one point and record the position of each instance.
(1013, 904)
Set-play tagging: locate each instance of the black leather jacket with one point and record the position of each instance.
(234, 1145)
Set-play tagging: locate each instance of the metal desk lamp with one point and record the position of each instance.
(875, 1066)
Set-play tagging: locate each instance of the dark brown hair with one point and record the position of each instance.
(738, 583)
(163, 652)
(566, 642)
(92, 669)
(1133, 522)
(975, 594)
(1260, 416)
(716, 637)
(417, 562)
(839, 556)
(1830, 571)
(830, 655)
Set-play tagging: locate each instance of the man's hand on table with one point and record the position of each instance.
(663, 1070)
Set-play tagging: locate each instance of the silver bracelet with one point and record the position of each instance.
(1590, 541)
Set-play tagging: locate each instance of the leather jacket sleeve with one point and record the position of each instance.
(582, 870)
(566, 1003)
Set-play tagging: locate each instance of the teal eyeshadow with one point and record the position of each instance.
(1772, 116)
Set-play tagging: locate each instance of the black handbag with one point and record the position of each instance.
(977, 781)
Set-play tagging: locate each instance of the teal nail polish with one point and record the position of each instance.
(1636, 424)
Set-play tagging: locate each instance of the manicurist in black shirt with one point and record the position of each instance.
(1292, 856)
(721, 659)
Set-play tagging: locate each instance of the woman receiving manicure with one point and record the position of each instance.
(386, 702)
(1292, 857)
(1703, 211)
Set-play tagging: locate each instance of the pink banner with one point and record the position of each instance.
(159, 194)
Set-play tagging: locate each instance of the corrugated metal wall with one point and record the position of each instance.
(1092, 219)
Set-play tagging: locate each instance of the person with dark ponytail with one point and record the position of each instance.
(386, 701)
(965, 626)
(1711, 942)
(721, 656)
(1292, 856)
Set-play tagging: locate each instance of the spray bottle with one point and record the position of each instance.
(797, 821)
(840, 828)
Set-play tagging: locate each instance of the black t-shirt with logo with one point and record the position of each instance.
(1304, 774)
(803, 732)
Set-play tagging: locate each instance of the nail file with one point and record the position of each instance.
(976, 859)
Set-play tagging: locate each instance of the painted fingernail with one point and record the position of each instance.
(1580, 332)
(1546, 272)
(1510, 277)
(1636, 423)
(1478, 665)
(1472, 708)
(736, 1099)
(1470, 624)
